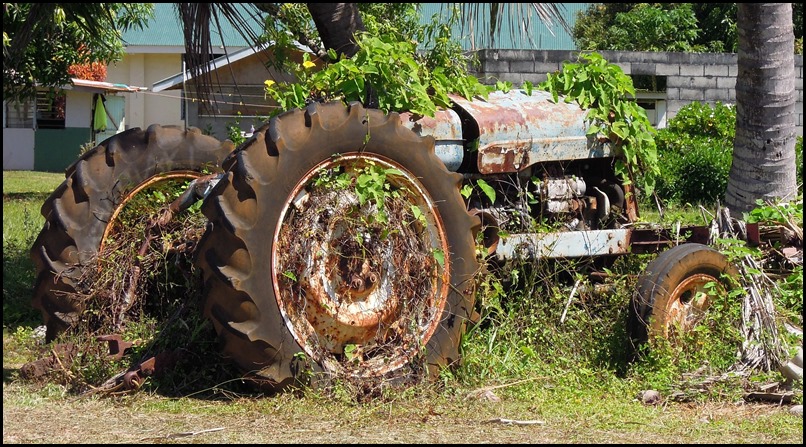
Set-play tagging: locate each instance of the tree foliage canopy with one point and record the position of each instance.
(687, 27)
(290, 22)
(41, 41)
(694, 27)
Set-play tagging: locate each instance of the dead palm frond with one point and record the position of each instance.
(203, 32)
(491, 17)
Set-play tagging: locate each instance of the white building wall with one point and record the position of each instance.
(18, 144)
(143, 70)
(18, 149)
(78, 112)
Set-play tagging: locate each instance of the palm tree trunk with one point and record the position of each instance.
(764, 149)
(337, 24)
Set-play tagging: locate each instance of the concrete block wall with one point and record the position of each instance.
(703, 77)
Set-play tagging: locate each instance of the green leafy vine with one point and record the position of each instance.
(402, 79)
(607, 93)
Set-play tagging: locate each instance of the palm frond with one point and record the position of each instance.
(518, 15)
(200, 40)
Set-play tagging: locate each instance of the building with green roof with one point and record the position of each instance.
(165, 31)
(157, 52)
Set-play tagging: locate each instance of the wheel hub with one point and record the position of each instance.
(689, 302)
(351, 284)
(360, 264)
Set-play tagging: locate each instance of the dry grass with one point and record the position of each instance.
(436, 419)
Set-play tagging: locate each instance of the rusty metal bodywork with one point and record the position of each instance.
(513, 138)
(511, 131)
(516, 130)
(446, 128)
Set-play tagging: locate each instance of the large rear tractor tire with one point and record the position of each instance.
(339, 246)
(80, 211)
(674, 292)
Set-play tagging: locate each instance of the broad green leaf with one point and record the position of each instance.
(487, 189)
(439, 256)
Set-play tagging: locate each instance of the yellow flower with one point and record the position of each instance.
(269, 82)
(308, 64)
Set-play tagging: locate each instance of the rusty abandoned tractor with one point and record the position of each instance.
(342, 240)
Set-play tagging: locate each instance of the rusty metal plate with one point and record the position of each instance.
(446, 128)
(569, 244)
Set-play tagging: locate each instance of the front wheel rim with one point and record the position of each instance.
(688, 302)
(174, 176)
(360, 265)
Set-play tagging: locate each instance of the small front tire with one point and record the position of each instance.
(673, 293)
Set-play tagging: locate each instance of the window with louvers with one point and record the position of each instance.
(19, 115)
(50, 107)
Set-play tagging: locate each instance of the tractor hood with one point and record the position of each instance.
(516, 130)
(510, 131)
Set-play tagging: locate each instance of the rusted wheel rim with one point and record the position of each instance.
(688, 302)
(112, 227)
(359, 295)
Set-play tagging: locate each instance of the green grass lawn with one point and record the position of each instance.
(27, 182)
(24, 192)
